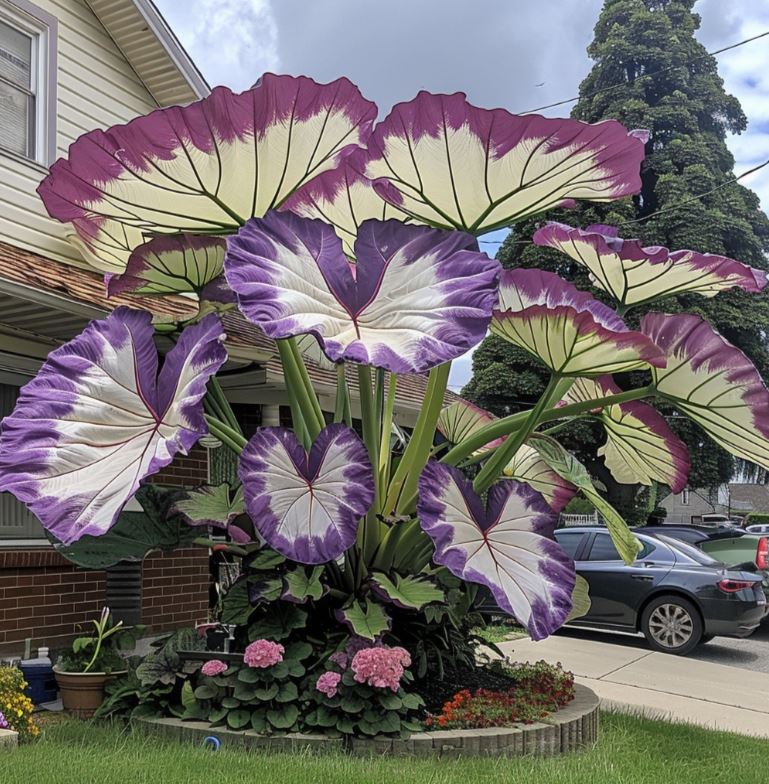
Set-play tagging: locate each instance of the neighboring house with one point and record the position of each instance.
(66, 67)
(734, 500)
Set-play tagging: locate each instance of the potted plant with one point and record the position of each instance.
(84, 669)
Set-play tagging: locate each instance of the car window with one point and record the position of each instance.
(603, 549)
(570, 541)
(689, 551)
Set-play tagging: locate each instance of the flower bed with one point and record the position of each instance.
(569, 729)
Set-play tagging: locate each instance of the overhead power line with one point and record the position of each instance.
(647, 75)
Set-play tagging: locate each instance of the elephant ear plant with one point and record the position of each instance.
(356, 244)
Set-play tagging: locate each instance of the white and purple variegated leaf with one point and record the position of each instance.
(633, 274)
(567, 329)
(451, 164)
(307, 507)
(415, 298)
(169, 265)
(508, 546)
(344, 198)
(640, 446)
(528, 466)
(98, 419)
(206, 167)
(714, 383)
(463, 419)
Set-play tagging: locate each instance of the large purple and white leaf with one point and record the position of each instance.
(206, 167)
(633, 274)
(567, 329)
(528, 466)
(98, 418)
(461, 420)
(640, 446)
(713, 383)
(169, 265)
(344, 198)
(415, 298)
(307, 506)
(448, 163)
(506, 546)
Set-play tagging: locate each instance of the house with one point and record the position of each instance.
(733, 500)
(67, 66)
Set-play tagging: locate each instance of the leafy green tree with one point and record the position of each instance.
(650, 72)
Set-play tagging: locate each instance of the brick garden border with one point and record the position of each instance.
(569, 729)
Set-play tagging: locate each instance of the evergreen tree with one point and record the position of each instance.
(650, 72)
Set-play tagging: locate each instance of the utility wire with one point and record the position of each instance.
(647, 75)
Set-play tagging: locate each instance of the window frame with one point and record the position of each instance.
(42, 28)
(685, 497)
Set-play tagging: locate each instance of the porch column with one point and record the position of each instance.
(270, 415)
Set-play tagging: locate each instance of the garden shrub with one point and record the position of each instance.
(15, 707)
(757, 518)
(361, 694)
(261, 694)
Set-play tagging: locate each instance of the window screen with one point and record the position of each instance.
(17, 91)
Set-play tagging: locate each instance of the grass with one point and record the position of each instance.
(631, 751)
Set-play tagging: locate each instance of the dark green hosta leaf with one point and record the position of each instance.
(230, 702)
(206, 692)
(390, 701)
(261, 590)
(236, 607)
(135, 534)
(218, 715)
(238, 719)
(250, 675)
(368, 622)
(211, 505)
(408, 593)
(567, 466)
(283, 718)
(287, 692)
(267, 693)
(298, 650)
(324, 717)
(301, 585)
(352, 704)
(412, 701)
(580, 599)
(244, 693)
(279, 621)
(259, 720)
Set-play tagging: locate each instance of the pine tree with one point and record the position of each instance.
(650, 72)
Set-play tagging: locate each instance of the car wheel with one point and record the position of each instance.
(706, 638)
(671, 625)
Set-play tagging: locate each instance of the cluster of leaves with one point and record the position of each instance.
(15, 706)
(361, 710)
(265, 699)
(154, 686)
(757, 518)
(430, 614)
(106, 645)
(537, 690)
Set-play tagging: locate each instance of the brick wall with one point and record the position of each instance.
(45, 597)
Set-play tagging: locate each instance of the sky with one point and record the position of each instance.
(518, 54)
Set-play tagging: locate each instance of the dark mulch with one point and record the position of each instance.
(436, 692)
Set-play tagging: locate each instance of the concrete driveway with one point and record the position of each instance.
(631, 678)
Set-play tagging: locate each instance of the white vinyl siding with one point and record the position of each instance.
(96, 88)
(18, 90)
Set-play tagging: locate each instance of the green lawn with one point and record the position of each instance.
(631, 751)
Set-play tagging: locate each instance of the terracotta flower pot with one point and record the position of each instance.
(83, 692)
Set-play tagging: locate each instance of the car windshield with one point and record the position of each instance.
(689, 550)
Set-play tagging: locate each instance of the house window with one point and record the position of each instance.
(16, 521)
(685, 497)
(27, 82)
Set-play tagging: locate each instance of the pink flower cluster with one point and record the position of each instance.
(328, 683)
(263, 653)
(213, 667)
(4, 722)
(381, 667)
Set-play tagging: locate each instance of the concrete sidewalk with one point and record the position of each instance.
(659, 685)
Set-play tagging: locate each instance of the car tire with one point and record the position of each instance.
(706, 638)
(672, 624)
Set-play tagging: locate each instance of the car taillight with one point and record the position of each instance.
(762, 553)
(732, 586)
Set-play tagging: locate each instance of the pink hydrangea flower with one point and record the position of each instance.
(328, 683)
(213, 667)
(381, 667)
(263, 653)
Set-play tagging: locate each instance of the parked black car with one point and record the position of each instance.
(675, 594)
